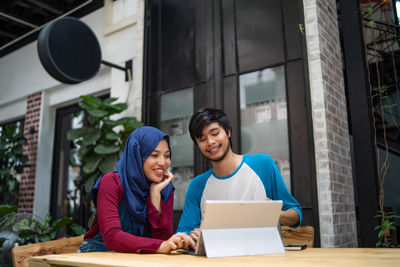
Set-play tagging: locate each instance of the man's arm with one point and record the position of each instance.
(191, 216)
(291, 213)
(289, 217)
(276, 189)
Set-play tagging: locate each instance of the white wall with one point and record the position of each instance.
(21, 75)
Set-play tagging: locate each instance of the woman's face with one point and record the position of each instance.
(156, 165)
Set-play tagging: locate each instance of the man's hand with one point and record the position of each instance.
(195, 235)
(177, 241)
(287, 217)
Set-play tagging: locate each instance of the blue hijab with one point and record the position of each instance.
(135, 185)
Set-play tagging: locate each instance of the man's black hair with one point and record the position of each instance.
(205, 116)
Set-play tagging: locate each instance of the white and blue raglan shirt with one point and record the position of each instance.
(256, 177)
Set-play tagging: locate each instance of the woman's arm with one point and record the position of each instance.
(108, 199)
(156, 188)
(161, 223)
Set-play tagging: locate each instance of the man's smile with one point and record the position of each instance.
(214, 150)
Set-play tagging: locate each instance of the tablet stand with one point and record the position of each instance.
(242, 241)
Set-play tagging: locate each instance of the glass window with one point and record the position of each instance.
(264, 117)
(74, 169)
(398, 11)
(11, 158)
(67, 187)
(176, 110)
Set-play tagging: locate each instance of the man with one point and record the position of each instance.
(233, 176)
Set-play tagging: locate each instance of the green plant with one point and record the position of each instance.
(7, 217)
(101, 144)
(78, 229)
(12, 161)
(387, 225)
(381, 103)
(29, 229)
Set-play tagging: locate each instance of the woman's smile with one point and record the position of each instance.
(159, 172)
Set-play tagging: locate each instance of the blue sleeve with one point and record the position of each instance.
(191, 216)
(275, 187)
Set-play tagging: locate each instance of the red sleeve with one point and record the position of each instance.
(161, 224)
(108, 199)
(94, 229)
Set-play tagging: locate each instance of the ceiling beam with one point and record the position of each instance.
(20, 21)
(45, 7)
(8, 34)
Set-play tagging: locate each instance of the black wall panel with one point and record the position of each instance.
(293, 27)
(259, 33)
(177, 49)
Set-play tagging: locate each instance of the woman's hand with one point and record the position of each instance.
(155, 190)
(177, 241)
(158, 187)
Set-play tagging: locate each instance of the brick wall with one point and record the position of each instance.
(27, 185)
(331, 137)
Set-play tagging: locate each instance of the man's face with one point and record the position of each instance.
(214, 142)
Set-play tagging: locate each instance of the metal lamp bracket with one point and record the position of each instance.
(127, 69)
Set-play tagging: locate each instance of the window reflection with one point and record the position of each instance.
(68, 196)
(176, 110)
(74, 168)
(264, 116)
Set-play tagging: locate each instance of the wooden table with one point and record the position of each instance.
(353, 257)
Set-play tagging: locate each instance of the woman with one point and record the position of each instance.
(134, 205)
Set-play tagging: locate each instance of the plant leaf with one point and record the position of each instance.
(110, 123)
(113, 136)
(91, 219)
(46, 237)
(119, 107)
(98, 113)
(47, 219)
(74, 134)
(25, 234)
(91, 136)
(78, 229)
(60, 223)
(90, 181)
(92, 163)
(108, 164)
(93, 121)
(86, 105)
(94, 101)
(110, 100)
(6, 209)
(371, 24)
(10, 220)
(83, 150)
(22, 225)
(381, 233)
(106, 149)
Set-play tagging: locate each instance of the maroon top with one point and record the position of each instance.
(107, 220)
